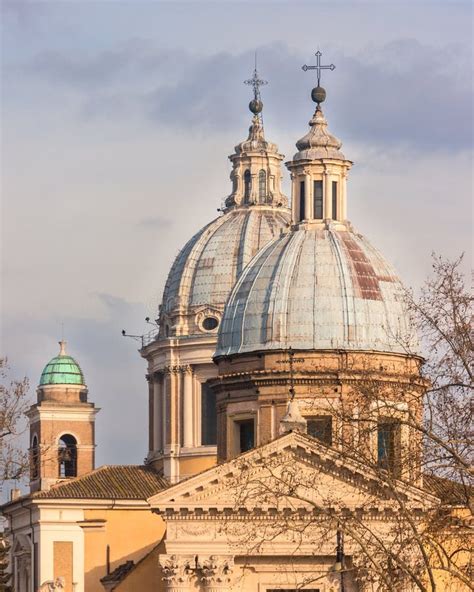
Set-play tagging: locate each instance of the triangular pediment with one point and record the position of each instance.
(260, 478)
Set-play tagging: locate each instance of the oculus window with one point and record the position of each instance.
(210, 323)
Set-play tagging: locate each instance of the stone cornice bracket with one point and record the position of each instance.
(217, 573)
(177, 572)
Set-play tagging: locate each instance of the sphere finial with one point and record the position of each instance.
(256, 106)
(318, 94)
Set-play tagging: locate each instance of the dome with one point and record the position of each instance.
(62, 369)
(206, 269)
(316, 289)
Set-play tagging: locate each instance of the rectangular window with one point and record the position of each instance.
(386, 436)
(320, 427)
(208, 416)
(246, 434)
(302, 201)
(318, 200)
(334, 200)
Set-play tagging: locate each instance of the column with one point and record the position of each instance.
(217, 573)
(176, 572)
(157, 414)
(343, 205)
(308, 197)
(188, 431)
(294, 198)
(327, 196)
(164, 418)
(151, 414)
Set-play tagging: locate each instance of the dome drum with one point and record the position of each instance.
(256, 386)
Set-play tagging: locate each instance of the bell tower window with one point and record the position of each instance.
(262, 186)
(302, 201)
(318, 200)
(247, 186)
(334, 200)
(67, 456)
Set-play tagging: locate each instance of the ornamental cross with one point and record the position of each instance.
(318, 66)
(256, 82)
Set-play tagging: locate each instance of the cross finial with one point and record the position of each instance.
(318, 66)
(256, 82)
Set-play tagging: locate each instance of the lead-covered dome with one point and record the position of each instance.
(206, 269)
(317, 289)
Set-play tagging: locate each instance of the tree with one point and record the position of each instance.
(415, 432)
(14, 462)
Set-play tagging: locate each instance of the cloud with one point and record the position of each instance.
(401, 93)
(155, 223)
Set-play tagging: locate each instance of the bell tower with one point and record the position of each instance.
(62, 424)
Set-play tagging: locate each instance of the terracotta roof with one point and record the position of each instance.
(109, 482)
(448, 491)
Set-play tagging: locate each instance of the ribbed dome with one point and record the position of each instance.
(318, 289)
(206, 269)
(62, 369)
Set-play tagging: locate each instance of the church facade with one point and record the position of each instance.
(280, 380)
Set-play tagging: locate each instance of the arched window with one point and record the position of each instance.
(67, 456)
(34, 458)
(262, 186)
(247, 186)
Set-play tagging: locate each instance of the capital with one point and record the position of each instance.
(177, 571)
(217, 571)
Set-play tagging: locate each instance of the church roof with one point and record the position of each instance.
(62, 369)
(208, 266)
(316, 289)
(127, 482)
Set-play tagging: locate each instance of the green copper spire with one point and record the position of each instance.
(62, 369)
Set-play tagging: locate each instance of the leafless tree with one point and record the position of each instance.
(414, 542)
(14, 462)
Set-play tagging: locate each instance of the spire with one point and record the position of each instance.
(62, 348)
(256, 172)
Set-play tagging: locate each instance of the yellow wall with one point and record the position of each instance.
(145, 576)
(191, 466)
(131, 534)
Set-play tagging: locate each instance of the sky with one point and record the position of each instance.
(116, 122)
